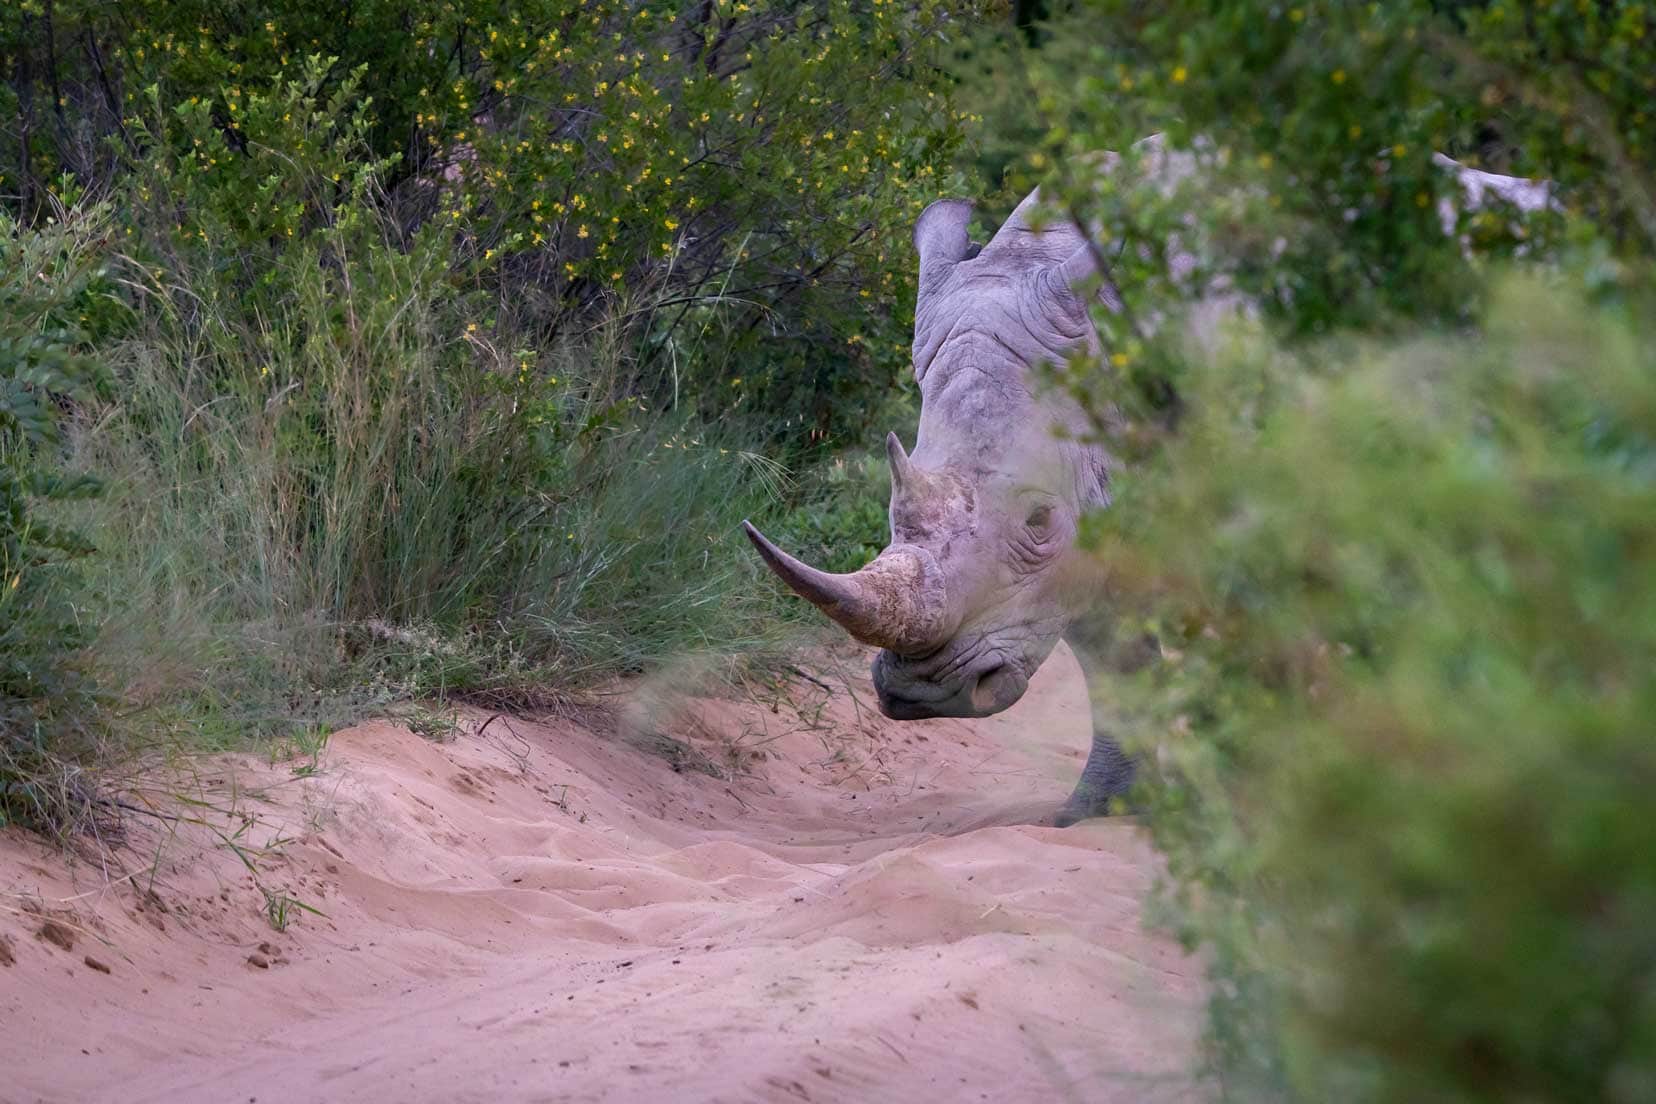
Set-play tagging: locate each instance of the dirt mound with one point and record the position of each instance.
(816, 905)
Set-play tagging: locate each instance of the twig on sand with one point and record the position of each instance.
(891, 1047)
(802, 673)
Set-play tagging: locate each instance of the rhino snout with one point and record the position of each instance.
(976, 691)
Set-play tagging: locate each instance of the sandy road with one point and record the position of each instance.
(859, 911)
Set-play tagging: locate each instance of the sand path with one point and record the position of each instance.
(855, 911)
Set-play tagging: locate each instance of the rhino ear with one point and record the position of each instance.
(940, 238)
(1082, 270)
(1033, 237)
(1020, 221)
(1078, 269)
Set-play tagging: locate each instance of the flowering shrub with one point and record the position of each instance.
(732, 184)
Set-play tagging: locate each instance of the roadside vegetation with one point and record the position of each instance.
(439, 351)
(429, 352)
(1396, 536)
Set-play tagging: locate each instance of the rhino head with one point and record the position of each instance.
(979, 579)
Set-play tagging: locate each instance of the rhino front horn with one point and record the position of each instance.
(897, 602)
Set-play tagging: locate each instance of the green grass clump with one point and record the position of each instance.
(364, 497)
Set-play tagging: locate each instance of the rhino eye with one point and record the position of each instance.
(1039, 518)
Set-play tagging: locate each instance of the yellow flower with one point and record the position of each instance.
(670, 224)
(582, 232)
(1338, 76)
(1179, 75)
(1121, 360)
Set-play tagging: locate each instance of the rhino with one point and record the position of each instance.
(982, 575)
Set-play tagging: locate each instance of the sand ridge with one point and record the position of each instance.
(848, 909)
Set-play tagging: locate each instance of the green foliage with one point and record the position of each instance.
(399, 505)
(1316, 124)
(47, 281)
(420, 320)
(735, 181)
(840, 521)
(1404, 591)
(1404, 725)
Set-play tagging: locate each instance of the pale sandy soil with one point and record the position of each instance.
(543, 912)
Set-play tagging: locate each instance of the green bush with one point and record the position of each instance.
(419, 325)
(48, 279)
(1398, 749)
(1408, 600)
(1314, 126)
(432, 309)
(734, 181)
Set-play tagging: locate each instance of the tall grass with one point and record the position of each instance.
(364, 493)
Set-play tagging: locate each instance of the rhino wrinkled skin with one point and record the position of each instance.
(982, 576)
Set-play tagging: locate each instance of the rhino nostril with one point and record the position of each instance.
(992, 686)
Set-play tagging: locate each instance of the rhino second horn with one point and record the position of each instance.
(901, 470)
(897, 602)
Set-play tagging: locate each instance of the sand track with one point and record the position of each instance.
(863, 912)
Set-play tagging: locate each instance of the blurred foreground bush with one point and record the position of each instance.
(1408, 602)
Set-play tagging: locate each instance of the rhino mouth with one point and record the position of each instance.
(992, 688)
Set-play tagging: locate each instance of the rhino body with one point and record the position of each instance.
(982, 576)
